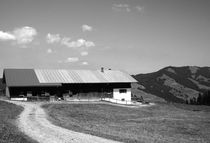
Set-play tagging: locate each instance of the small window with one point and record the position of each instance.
(123, 90)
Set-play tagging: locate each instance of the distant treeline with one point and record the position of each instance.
(202, 99)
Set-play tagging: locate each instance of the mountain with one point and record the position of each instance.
(177, 84)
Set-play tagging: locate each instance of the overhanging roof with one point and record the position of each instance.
(83, 76)
(52, 77)
(23, 77)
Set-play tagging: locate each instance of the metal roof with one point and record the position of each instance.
(23, 77)
(82, 76)
(53, 77)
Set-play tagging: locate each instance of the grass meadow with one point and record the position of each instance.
(9, 133)
(161, 123)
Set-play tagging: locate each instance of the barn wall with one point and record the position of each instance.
(93, 90)
(78, 91)
(122, 96)
(32, 91)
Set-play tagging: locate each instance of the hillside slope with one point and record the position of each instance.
(176, 84)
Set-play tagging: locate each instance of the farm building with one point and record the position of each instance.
(24, 84)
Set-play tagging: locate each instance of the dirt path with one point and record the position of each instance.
(33, 122)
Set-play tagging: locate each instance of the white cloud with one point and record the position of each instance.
(66, 41)
(121, 7)
(84, 63)
(69, 60)
(49, 51)
(72, 59)
(127, 8)
(77, 44)
(23, 35)
(53, 38)
(139, 8)
(84, 53)
(71, 44)
(89, 44)
(86, 28)
(80, 43)
(6, 36)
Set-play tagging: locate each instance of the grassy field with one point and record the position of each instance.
(9, 133)
(159, 123)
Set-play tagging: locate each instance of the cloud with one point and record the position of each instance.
(72, 59)
(86, 28)
(69, 60)
(84, 53)
(127, 8)
(121, 7)
(23, 35)
(71, 44)
(53, 38)
(84, 63)
(77, 44)
(66, 41)
(4, 36)
(139, 8)
(89, 44)
(49, 51)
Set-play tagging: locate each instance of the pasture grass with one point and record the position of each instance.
(9, 133)
(159, 123)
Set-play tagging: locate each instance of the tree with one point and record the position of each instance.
(206, 98)
(193, 101)
(200, 99)
(186, 101)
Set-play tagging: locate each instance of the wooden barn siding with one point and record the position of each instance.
(16, 91)
(87, 90)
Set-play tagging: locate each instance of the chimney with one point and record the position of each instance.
(102, 69)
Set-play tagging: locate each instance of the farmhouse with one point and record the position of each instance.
(25, 84)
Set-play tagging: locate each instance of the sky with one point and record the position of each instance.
(136, 36)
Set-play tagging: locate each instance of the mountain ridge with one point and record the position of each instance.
(177, 84)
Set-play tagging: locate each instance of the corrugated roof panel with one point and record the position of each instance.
(87, 76)
(65, 76)
(55, 76)
(82, 76)
(75, 76)
(115, 76)
(39, 76)
(24, 77)
(130, 78)
(100, 76)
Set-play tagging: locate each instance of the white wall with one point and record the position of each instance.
(19, 99)
(120, 96)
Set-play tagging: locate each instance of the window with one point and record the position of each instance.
(123, 90)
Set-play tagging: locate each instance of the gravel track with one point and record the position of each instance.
(33, 122)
